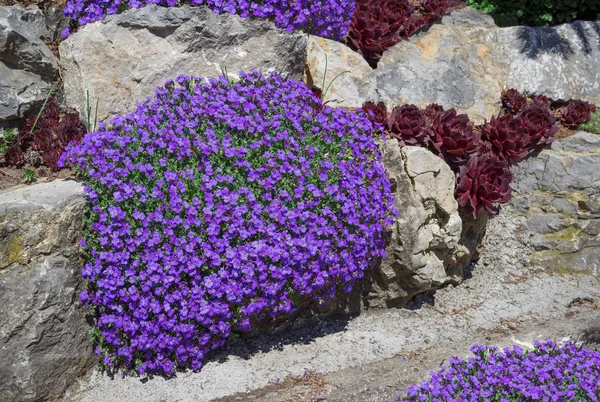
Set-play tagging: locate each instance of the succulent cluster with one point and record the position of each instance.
(549, 372)
(217, 203)
(377, 25)
(576, 113)
(481, 156)
(326, 18)
(43, 138)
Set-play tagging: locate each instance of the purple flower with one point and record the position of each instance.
(251, 191)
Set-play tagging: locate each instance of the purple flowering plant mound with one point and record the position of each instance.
(219, 203)
(326, 18)
(549, 372)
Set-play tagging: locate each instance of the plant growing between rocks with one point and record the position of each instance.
(218, 203)
(481, 156)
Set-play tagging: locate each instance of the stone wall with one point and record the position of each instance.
(558, 194)
(44, 337)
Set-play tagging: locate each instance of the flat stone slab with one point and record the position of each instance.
(39, 196)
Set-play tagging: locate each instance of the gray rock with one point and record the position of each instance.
(341, 61)
(562, 188)
(424, 250)
(43, 330)
(27, 66)
(468, 17)
(122, 59)
(466, 61)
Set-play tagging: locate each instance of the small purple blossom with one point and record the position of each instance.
(255, 199)
(326, 18)
(549, 372)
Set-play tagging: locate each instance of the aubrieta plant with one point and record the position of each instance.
(218, 203)
(549, 372)
(326, 18)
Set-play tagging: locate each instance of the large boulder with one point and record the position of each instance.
(466, 61)
(558, 195)
(424, 250)
(44, 337)
(27, 66)
(122, 59)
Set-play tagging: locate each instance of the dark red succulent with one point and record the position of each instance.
(412, 25)
(377, 112)
(433, 10)
(539, 123)
(482, 183)
(376, 26)
(453, 137)
(513, 101)
(48, 135)
(506, 138)
(408, 124)
(13, 156)
(432, 111)
(542, 101)
(576, 113)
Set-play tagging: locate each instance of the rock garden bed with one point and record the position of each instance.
(210, 171)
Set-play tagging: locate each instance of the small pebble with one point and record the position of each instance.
(512, 325)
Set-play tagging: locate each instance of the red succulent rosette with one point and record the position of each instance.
(513, 101)
(483, 183)
(506, 138)
(576, 113)
(408, 124)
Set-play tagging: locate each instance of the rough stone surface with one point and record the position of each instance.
(122, 59)
(342, 62)
(44, 337)
(466, 61)
(557, 193)
(424, 250)
(27, 66)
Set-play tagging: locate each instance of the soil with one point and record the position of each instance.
(11, 177)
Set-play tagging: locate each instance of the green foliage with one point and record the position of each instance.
(537, 12)
(6, 139)
(29, 176)
(592, 126)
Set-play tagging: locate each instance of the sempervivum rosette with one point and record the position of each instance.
(482, 183)
(376, 26)
(433, 10)
(540, 125)
(377, 112)
(408, 124)
(576, 113)
(506, 138)
(453, 137)
(543, 101)
(513, 101)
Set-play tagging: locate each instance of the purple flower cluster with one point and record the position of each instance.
(217, 203)
(326, 18)
(548, 373)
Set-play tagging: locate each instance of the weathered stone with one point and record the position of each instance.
(341, 61)
(27, 66)
(466, 61)
(562, 188)
(122, 59)
(469, 17)
(424, 250)
(44, 336)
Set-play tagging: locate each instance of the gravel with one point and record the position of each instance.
(501, 298)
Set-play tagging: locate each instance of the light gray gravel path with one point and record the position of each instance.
(503, 295)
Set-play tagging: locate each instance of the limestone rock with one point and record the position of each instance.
(558, 194)
(27, 66)
(43, 330)
(466, 61)
(424, 250)
(341, 61)
(122, 59)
